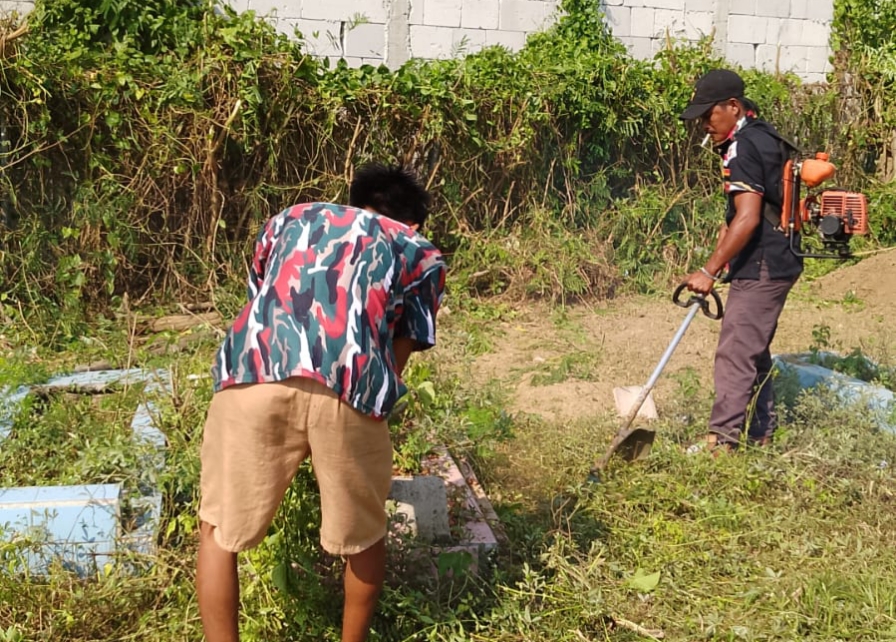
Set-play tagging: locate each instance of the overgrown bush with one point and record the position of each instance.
(150, 139)
(865, 81)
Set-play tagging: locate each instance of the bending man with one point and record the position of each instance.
(339, 297)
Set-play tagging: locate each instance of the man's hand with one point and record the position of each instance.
(699, 283)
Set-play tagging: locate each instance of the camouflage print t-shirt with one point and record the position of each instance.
(329, 288)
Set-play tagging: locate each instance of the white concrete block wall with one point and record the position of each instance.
(467, 40)
(776, 35)
(374, 10)
(513, 40)
(773, 8)
(480, 14)
(698, 24)
(431, 42)
(321, 37)
(525, 15)
(741, 54)
(20, 7)
(620, 19)
(441, 13)
(366, 41)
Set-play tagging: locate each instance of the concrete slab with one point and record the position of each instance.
(77, 524)
(81, 525)
(10, 404)
(475, 526)
(423, 503)
(97, 378)
(880, 401)
(447, 493)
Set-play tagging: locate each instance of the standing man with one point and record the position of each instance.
(339, 297)
(762, 267)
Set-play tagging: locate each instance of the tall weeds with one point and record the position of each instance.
(150, 139)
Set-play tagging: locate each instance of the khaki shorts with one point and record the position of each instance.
(255, 437)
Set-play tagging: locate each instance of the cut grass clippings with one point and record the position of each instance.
(791, 542)
(784, 543)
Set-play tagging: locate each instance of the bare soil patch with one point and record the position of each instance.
(619, 342)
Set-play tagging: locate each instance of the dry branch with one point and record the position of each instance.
(7, 37)
(180, 322)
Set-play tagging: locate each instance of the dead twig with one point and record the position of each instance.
(181, 322)
(656, 634)
(6, 38)
(614, 623)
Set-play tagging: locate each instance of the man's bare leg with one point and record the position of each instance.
(364, 574)
(218, 588)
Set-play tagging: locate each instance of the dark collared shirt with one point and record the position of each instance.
(752, 161)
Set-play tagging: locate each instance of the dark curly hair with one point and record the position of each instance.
(390, 190)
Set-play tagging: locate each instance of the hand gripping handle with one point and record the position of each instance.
(702, 301)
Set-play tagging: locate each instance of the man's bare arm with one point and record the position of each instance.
(748, 214)
(403, 347)
(733, 239)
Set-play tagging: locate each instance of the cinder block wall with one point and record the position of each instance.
(393, 31)
(783, 35)
(774, 35)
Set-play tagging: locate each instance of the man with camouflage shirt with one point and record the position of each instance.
(339, 297)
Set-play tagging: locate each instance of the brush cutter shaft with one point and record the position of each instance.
(635, 443)
(642, 397)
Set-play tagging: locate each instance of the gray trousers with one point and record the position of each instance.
(743, 360)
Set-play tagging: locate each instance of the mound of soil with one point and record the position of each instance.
(872, 281)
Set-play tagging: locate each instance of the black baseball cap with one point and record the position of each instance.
(713, 87)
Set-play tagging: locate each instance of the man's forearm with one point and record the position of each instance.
(729, 246)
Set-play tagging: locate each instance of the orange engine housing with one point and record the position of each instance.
(851, 207)
(815, 171)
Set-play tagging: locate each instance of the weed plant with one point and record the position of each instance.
(784, 543)
(789, 542)
(855, 363)
(151, 140)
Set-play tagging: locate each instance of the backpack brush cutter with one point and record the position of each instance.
(835, 214)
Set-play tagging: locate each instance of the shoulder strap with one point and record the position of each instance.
(791, 147)
(772, 213)
(788, 149)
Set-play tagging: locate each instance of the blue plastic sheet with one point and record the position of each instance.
(878, 400)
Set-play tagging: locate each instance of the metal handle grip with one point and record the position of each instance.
(702, 301)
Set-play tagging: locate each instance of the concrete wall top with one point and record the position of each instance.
(774, 35)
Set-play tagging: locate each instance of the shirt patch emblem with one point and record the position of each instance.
(731, 154)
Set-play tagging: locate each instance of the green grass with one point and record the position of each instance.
(68, 438)
(793, 542)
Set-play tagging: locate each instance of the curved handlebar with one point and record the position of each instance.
(700, 300)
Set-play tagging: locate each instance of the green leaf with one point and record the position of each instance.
(642, 582)
(454, 562)
(279, 577)
(427, 393)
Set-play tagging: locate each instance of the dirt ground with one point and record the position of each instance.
(619, 342)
